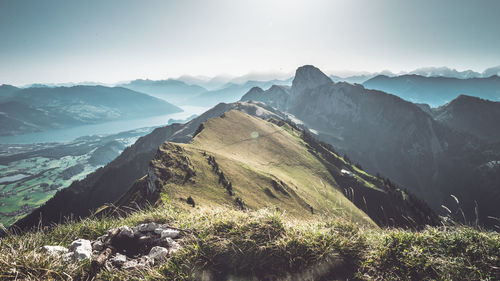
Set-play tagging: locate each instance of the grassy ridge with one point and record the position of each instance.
(221, 243)
(267, 166)
(297, 218)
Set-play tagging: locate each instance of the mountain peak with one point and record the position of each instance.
(464, 97)
(255, 90)
(467, 100)
(308, 76)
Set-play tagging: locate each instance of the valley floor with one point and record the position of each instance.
(224, 244)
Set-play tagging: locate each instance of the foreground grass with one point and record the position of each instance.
(227, 244)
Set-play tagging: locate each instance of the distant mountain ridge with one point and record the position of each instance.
(232, 92)
(436, 91)
(180, 93)
(171, 90)
(446, 72)
(37, 109)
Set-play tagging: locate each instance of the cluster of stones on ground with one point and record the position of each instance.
(124, 247)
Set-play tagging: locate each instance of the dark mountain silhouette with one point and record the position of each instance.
(471, 115)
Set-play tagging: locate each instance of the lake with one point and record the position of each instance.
(69, 134)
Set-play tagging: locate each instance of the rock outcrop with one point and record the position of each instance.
(125, 247)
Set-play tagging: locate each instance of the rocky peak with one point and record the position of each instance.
(467, 104)
(278, 88)
(465, 99)
(255, 90)
(308, 77)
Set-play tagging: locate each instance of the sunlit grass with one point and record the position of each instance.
(267, 243)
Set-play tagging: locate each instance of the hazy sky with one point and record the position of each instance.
(109, 41)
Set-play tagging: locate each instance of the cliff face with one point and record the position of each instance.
(383, 132)
(306, 78)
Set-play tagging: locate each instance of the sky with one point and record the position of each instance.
(109, 41)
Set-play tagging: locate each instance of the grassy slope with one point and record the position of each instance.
(282, 241)
(251, 163)
(223, 242)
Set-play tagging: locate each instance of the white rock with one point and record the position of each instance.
(146, 261)
(173, 246)
(130, 264)
(54, 250)
(119, 259)
(158, 253)
(146, 227)
(81, 248)
(169, 233)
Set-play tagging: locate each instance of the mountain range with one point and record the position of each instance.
(174, 91)
(436, 91)
(433, 155)
(37, 109)
(181, 93)
(442, 71)
(245, 149)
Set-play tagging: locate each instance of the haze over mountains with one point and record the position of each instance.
(436, 91)
(180, 93)
(432, 85)
(38, 109)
